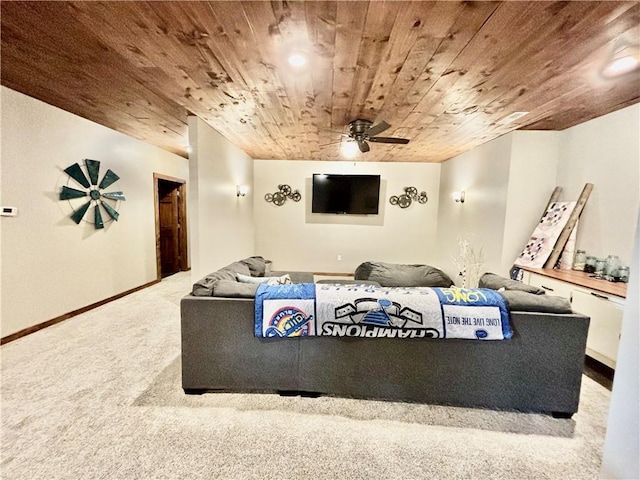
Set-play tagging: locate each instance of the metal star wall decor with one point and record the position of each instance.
(94, 191)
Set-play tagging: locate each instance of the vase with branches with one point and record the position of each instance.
(469, 263)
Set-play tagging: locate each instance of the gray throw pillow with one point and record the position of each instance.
(519, 301)
(399, 275)
(496, 282)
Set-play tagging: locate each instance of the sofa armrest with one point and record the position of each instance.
(220, 351)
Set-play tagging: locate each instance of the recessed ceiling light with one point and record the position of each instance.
(622, 63)
(297, 60)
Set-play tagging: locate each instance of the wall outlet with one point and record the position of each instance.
(339, 257)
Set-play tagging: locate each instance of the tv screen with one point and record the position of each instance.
(350, 194)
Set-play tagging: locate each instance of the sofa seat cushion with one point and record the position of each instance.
(399, 275)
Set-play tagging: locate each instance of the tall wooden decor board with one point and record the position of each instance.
(546, 234)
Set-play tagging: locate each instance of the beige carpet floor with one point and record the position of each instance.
(98, 397)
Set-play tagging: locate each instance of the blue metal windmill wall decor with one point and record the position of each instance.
(93, 190)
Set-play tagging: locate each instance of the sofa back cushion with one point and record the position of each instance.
(399, 275)
(256, 265)
(205, 286)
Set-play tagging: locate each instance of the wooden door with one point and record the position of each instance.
(170, 195)
(169, 217)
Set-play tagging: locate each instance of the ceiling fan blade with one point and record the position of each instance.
(330, 143)
(363, 146)
(376, 129)
(402, 141)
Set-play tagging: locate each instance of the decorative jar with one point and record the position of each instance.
(600, 264)
(623, 274)
(579, 260)
(590, 264)
(611, 266)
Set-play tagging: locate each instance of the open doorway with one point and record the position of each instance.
(171, 225)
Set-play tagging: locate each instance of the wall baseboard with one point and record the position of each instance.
(66, 316)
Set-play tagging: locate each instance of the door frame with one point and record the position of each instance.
(182, 206)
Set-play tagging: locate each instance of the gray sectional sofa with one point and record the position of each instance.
(538, 370)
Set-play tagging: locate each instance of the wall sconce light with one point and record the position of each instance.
(280, 197)
(410, 194)
(241, 190)
(459, 196)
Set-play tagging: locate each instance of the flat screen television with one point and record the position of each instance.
(346, 194)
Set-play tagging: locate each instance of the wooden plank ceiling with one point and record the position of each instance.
(443, 74)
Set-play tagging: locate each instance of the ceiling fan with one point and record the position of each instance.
(363, 131)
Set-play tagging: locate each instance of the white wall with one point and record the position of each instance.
(50, 265)
(606, 152)
(295, 239)
(221, 223)
(622, 442)
(532, 179)
(483, 173)
(509, 180)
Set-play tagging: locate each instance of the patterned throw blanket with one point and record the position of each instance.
(309, 309)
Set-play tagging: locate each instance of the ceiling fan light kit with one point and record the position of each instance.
(349, 149)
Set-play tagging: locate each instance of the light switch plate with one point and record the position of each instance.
(9, 211)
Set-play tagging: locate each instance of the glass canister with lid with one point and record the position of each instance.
(600, 264)
(623, 274)
(590, 264)
(611, 266)
(579, 260)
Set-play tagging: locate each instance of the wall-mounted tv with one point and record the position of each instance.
(347, 194)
